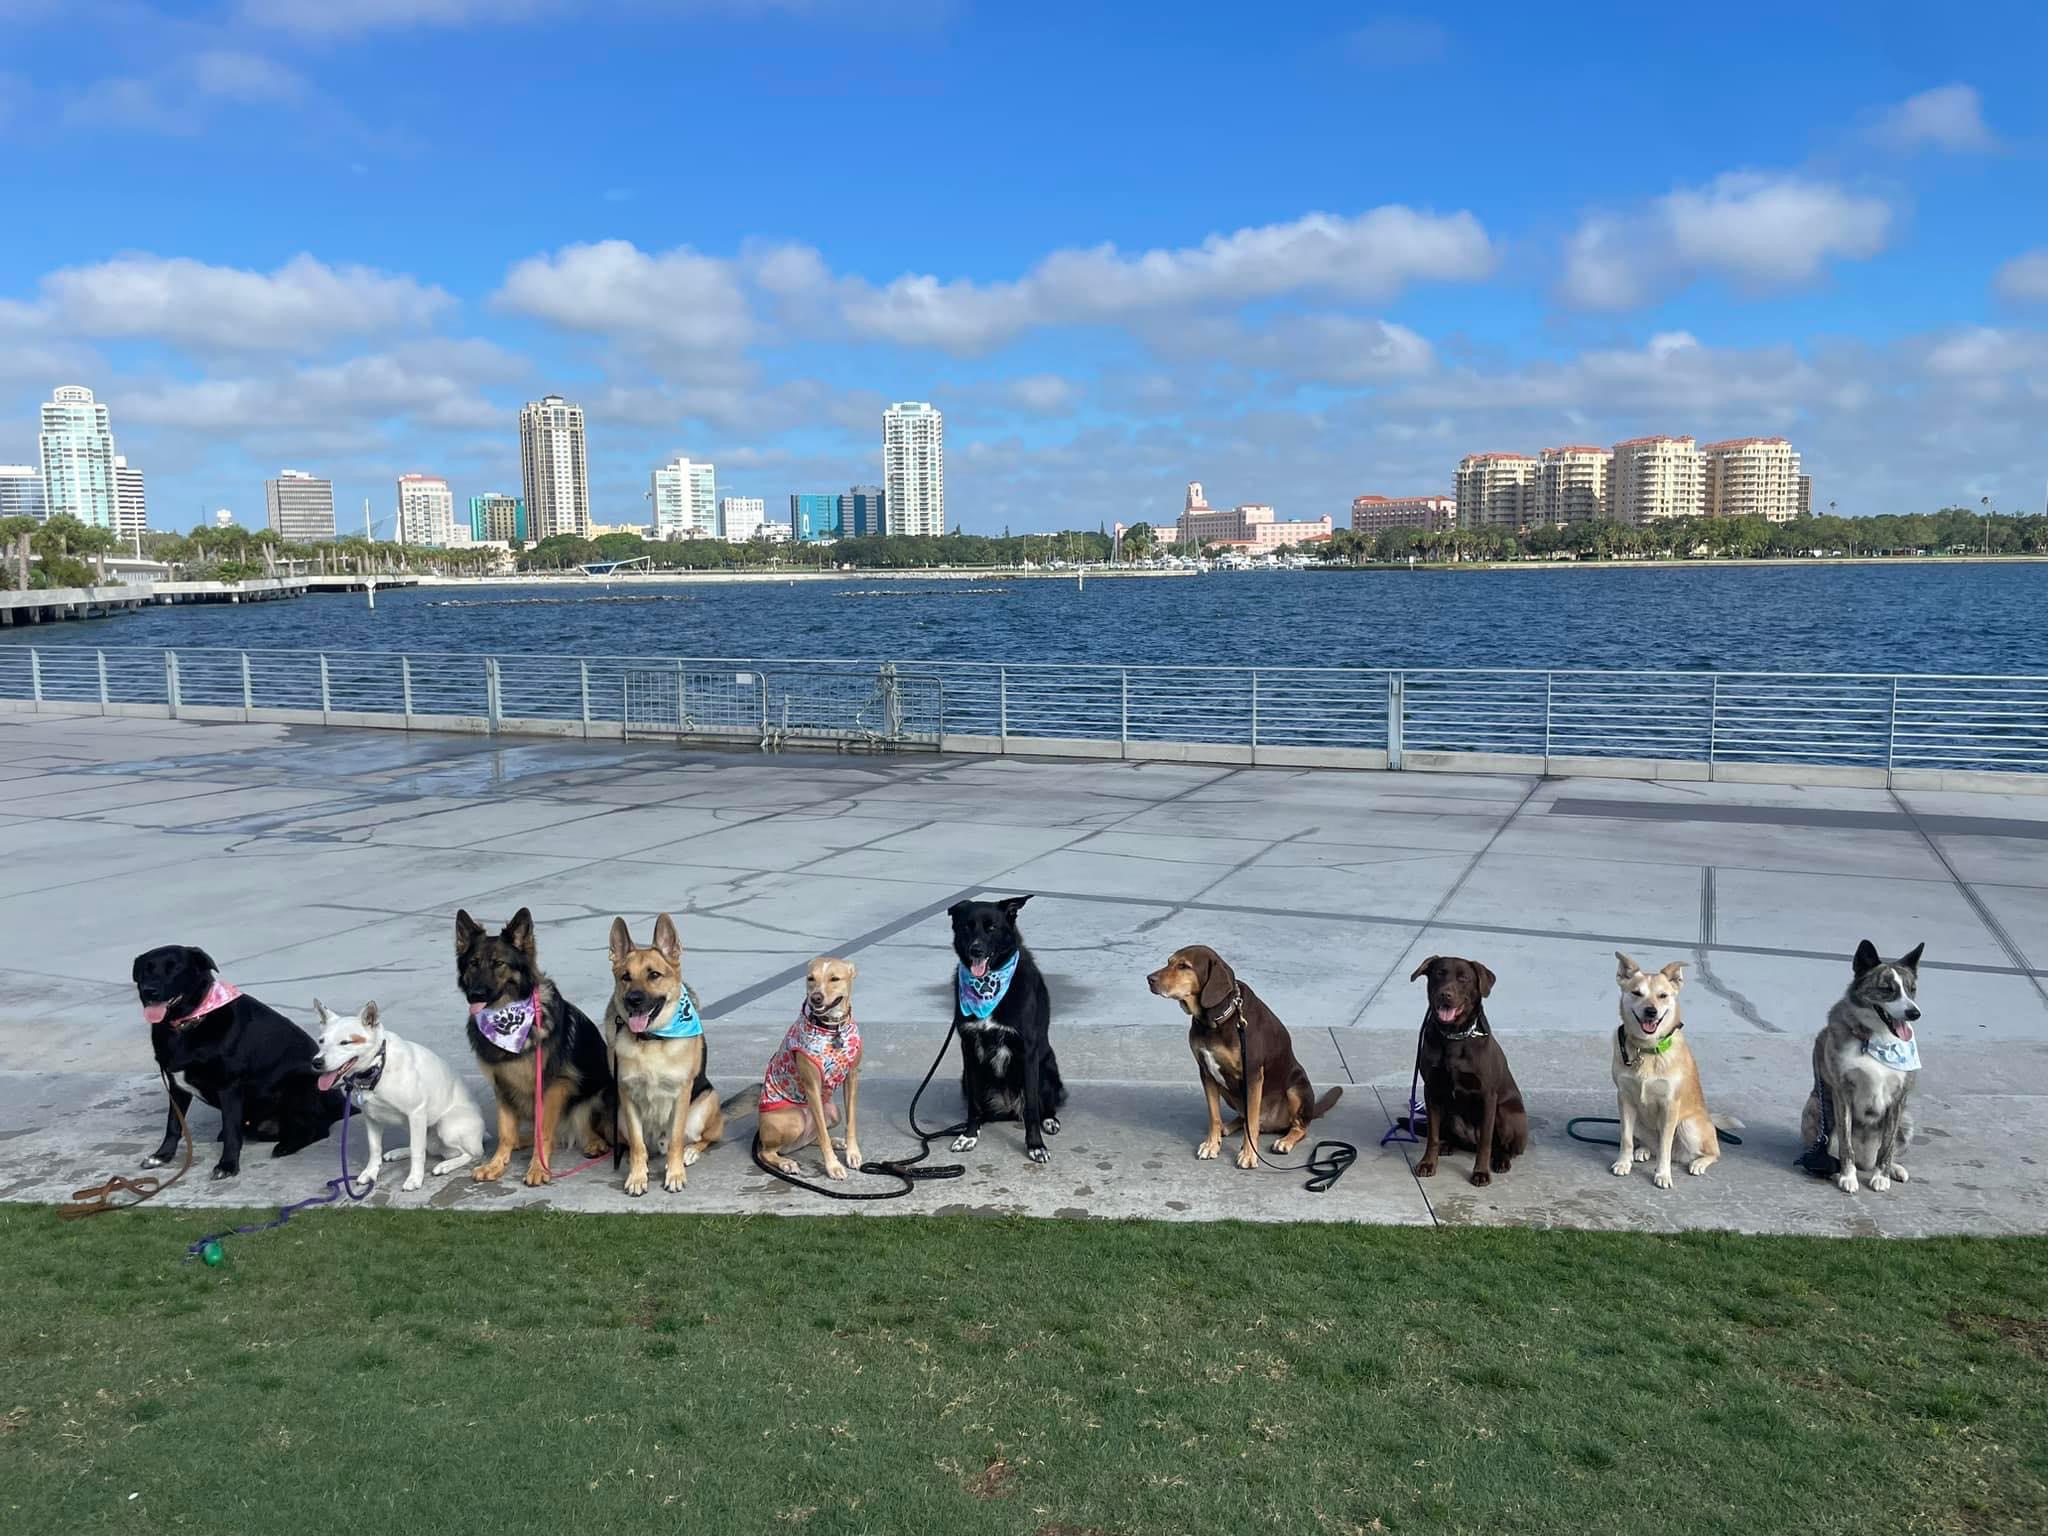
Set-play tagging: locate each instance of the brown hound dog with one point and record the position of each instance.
(1227, 1022)
(1471, 1096)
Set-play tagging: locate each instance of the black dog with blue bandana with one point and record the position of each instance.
(1004, 1016)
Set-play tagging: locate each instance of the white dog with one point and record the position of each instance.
(395, 1082)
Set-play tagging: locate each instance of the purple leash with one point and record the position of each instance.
(1408, 1130)
(336, 1188)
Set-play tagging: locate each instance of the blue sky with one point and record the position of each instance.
(1298, 253)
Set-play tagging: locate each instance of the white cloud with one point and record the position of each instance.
(2025, 277)
(431, 386)
(1369, 256)
(235, 76)
(1399, 42)
(1761, 231)
(1982, 352)
(1948, 117)
(1043, 394)
(612, 288)
(340, 18)
(179, 300)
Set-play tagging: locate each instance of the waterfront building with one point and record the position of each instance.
(554, 467)
(814, 517)
(77, 445)
(863, 512)
(300, 507)
(21, 491)
(1751, 477)
(914, 468)
(1654, 478)
(131, 506)
(497, 518)
(1496, 490)
(1806, 495)
(426, 511)
(742, 517)
(685, 496)
(775, 533)
(1199, 523)
(223, 518)
(1571, 486)
(1429, 514)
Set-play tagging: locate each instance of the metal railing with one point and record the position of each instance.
(1414, 717)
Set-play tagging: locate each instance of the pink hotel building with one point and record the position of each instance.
(1430, 514)
(1251, 528)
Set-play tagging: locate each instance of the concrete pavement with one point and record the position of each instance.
(329, 863)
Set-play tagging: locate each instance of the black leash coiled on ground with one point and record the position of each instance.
(905, 1169)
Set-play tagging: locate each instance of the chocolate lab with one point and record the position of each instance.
(1471, 1096)
(1227, 1023)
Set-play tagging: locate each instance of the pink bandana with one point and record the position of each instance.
(219, 995)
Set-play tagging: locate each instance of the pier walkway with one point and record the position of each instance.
(329, 862)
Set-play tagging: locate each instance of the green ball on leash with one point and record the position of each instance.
(212, 1255)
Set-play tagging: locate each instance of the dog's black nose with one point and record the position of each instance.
(1912, 1014)
(635, 999)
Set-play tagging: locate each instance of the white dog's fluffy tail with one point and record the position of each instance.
(1726, 1123)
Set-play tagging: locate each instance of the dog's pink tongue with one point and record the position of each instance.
(979, 969)
(638, 1022)
(1447, 1015)
(1649, 1026)
(1903, 1031)
(153, 1013)
(328, 1080)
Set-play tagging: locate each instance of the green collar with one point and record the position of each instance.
(1659, 1049)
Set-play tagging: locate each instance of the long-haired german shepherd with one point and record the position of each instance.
(513, 1007)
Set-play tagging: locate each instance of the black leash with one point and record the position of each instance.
(1323, 1169)
(1571, 1130)
(904, 1169)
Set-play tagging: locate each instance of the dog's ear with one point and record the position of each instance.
(1911, 958)
(519, 932)
(667, 940)
(621, 941)
(1485, 978)
(1012, 905)
(1422, 970)
(203, 960)
(1674, 973)
(321, 1011)
(135, 970)
(1624, 967)
(1866, 957)
(956, 909)
(1218, 979)
(368, 1016)
(852, 970)
(467, 929)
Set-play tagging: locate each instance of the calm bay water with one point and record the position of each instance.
(1862, 618)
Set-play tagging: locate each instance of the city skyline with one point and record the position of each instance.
(1305, 297)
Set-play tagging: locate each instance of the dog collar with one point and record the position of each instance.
(218, 995)
(683, 1022)
(1476, 1027)
(1232, 1008)
(1659, 1049)
(509, 1026)
(358, 1084)
(979, 995)
(813, 1020)
(1899, 1055)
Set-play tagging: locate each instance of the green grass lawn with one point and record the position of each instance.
(413, 1370)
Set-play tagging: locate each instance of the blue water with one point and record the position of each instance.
(1819, 618)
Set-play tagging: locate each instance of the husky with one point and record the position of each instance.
(1858, 1117)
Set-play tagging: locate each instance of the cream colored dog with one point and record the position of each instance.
(1655, 1078)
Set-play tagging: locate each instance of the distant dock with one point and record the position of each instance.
(54, 604)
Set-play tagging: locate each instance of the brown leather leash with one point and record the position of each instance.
(100, 1197)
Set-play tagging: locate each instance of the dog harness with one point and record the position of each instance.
(508, 1027)
(980, 995)
(835, 1048)
(218, 996)
(682, 1023)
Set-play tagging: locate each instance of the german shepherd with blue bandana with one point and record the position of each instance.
(502, 971)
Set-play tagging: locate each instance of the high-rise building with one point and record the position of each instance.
(21, 491)
(1654, 478)
(1496, 490)
(497, 516)
(1571, 486)
(914, 468)
(685, 494)
(814, 517)
(131, 508)
(426, 511)
(1376, 514)
(1806, 495)
(742, 517)
(555, 468)
(863, 512)
(301, 508)
(78, 458)
(1751, 477)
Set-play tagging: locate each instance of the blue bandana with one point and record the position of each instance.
(685, 1021)
(979, 995)
(1899, 1055)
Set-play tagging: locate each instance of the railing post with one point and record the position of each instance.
(1123, 729)
(1255, 716)
(405, 687)
(583, 685)
(1713, 725)
(1891, 733)
(326, 691)
(1003, 707)
(248, 687)
(171, 698)
(1397, 704)
(35, 675)
(1548, 680)
(102, 657)
(492, 703)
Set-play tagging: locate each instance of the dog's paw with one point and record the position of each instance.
(690, 1156)
(1502, 1164)
(836, 1171)
(853, 1157)
(1247, 1156)
(1699, 1165)
(787, 1164)
(225, 1172)
(1845, 1181)
(413, 1182)
(1050, 1125)
(1426, 1169)
(1899, 1172)
(965, 1143)
(156, 1159)
(1481, 1180)
(1642, 1154)
(397, 1154)
(1661, 1178)
(636, 1181)
(1038, 1154)
(1208, 1149)
(537, 1174)
(675, 1180)
(487, 1173)
(1623, 1166)
(1880, 1182)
